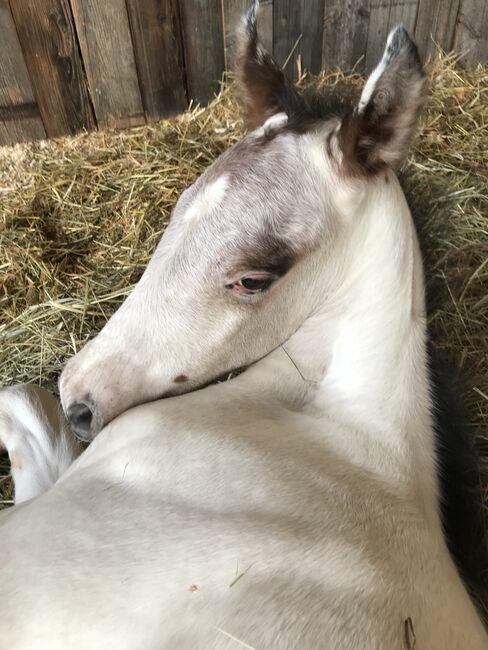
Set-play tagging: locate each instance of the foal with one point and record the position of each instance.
(295, 506)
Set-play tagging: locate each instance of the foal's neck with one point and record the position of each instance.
(360, 359)
(365, 345)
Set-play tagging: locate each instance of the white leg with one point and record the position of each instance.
(35, 433)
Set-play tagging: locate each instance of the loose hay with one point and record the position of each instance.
(81, 216)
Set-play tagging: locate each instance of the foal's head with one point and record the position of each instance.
(245, 258)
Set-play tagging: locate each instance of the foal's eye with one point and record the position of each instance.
(250, 285)
(255, 284)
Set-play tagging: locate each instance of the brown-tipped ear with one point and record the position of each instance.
(381, 129)
(263, 87)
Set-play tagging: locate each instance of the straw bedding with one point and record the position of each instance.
(80, 217)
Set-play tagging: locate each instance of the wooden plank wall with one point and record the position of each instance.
(19, 113)
(69, 65)
(47, 38)
(158, 47)
(105, 42)
(203, 44)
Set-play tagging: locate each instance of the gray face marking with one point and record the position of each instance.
(265, 220)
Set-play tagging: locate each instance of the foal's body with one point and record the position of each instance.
(138, 546)
(280, 478)
(295, 506)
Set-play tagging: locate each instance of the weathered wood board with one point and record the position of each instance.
(156, 35)
(203, 41)
(297, 31)
(19, 114)
(436, 23)
(345, 35)
(48, 40)
(106, 45)
(471, 34)
(67, 65)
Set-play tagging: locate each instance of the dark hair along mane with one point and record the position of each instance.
(459, 480)
(317, 105)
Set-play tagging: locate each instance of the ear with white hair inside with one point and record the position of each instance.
(37, 438)
(382, 127)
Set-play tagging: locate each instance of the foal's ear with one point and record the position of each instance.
(379, 132)
(264, 88)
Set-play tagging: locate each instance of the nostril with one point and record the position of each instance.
(80, 416)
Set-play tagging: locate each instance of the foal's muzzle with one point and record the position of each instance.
(84, 420)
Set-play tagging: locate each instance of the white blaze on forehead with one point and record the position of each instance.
(211, 195)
